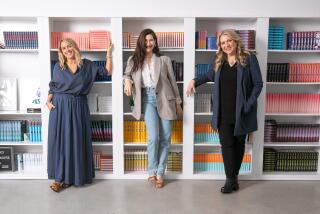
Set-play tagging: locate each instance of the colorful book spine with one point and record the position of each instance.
(290, 160)
(20, 39)
(293, 103)
(135, 132)
(213, 162)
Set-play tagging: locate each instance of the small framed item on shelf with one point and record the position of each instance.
(8, 94)
(29, 91)
(6, 159)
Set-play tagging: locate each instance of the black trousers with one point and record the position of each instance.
(233, 148)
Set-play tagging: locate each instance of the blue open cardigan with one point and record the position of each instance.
(249, 86)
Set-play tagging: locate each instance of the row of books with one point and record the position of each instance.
(202, 102)
(293, 103)
(136, 132)
(99, 103)
(214, 162)
(137, 160)
(291, 132)
(276, 37)
(248, 38)
(21, 130)
(86, 41)
(103, 162)
(293, 72)
(177, 70)
(203, 133)
(165, 40)
(20, 39)
(101, 131)
(28, 161)
(102, 77)
(303, 40)
(290, 160)
(202, 69)
(203, 41)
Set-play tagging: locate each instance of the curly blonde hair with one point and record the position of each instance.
(241, 52)
(62, 58)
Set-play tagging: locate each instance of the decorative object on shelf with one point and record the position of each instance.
(29, 95)
(8, 94)
(6, 159)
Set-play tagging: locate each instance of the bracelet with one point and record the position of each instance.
(109, 57)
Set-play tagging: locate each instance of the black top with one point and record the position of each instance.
(228, 93)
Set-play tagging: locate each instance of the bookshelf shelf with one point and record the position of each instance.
(102, 83)
(203, 113)
(298, 144)
(293, 51)
(206, 50)
(145, 145)
(102, 144)
(19, 50)
(83, 51)
(161, 49)
(218, 173)
(100, 113)
(293, 83)
(290, 176)
(207, 144)
(294, 114)
(20, 113)
(23, 143)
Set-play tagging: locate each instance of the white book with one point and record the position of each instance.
(29, 94)
(8, 94)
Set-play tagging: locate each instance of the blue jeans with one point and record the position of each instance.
(159, 134)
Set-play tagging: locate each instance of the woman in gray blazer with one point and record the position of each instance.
(238, 83)
(149, 78)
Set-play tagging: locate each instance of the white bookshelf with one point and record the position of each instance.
(21, 64)
(37, 63)
(293, 56)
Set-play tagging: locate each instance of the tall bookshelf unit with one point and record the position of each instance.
(37, 64)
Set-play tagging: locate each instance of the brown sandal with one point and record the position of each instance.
(56, 186)
(159, 183)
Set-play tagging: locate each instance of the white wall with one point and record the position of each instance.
(161, 8)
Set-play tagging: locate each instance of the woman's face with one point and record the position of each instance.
(228, 45)
(149, 43)
(67, 50)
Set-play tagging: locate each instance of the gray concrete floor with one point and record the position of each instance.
(178, 196)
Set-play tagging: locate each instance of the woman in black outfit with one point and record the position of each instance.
(238, 84)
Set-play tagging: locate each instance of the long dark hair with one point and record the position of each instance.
(140, 51)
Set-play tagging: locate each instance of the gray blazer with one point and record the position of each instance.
(167, 92)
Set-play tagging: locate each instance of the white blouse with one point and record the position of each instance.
(148, 75)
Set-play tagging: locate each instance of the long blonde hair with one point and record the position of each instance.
(62, 58)
(241, 53)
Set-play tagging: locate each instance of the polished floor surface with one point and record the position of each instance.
(178, 196)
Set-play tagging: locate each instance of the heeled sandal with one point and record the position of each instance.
(56, 186)
(159, 183)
